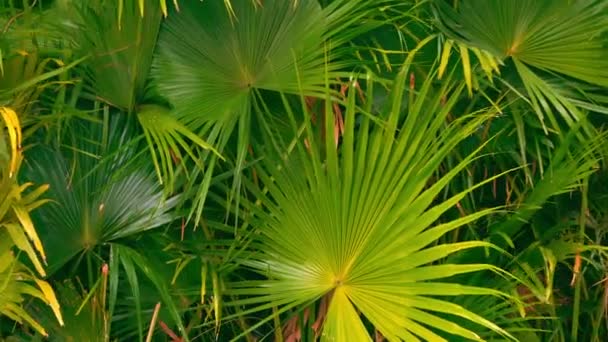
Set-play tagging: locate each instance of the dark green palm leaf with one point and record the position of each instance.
(102, 192)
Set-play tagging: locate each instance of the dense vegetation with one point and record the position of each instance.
(343, 170)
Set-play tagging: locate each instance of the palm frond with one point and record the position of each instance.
(18, 232)
(208, 65)
(99, 190)
(564, 37)
(120, 51)
(167, 139)
(546, 40)
(358, 222)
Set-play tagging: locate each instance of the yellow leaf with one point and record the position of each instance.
(36, 204)
(216, 298)
(343, 323)
(492, 61)
(163, 7)
(485, 64)
(466, 68)
(49, 294)
(14, 132)
(20, 240)
(59, 62)
(34, 194)
(203, 282)
(445, 57)
(28, 226)
(6, 259)
(17, 313)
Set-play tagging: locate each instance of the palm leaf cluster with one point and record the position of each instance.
(333, 170)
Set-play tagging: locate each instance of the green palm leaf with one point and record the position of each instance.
(118, 40)
(359, 223)
(102, 190)
(17, 233)
(209, 65)
(555, 46)
(562, 37)
(120, 49)
(169, 136)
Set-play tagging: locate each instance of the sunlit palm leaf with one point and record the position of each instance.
(167, 137)
(360, 223)
(17, 285)
(17, 233)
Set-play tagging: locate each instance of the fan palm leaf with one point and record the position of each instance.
(563, 37)
(119, 50)
(360, 224)
(103, 193)
(553, 44)
(209, 65)
(101, 189)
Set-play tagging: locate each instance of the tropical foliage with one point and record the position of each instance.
(334, 170)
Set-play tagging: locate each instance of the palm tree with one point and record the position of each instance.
(303, 170)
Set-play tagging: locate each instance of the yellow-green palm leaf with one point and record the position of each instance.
(359, 222)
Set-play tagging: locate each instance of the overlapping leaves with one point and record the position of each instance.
(119, 47)
(360, 224)
(209, 65)
(102, 191)
(556, 47)
(17, 233)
